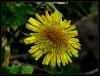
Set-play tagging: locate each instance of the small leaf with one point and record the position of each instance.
(26, 69)
(14, 69)
(4, 41)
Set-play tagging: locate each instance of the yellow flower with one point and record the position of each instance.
(54, 38)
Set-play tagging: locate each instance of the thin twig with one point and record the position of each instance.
(17, 56)
(92, 72)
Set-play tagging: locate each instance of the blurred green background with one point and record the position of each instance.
(14, 15)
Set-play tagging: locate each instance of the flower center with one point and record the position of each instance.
(54, 34)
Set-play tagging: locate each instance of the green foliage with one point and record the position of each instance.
(68, 69)
(26, 70)
(17, 69)
(15, 14)
(71, 69)
(94, 7)
(5, 70)
(14, 69)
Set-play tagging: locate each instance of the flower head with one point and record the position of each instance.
(53, 37)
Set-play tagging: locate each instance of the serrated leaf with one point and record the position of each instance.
(26, 69)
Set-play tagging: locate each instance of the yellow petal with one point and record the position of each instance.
(71, 28)
(39, 55)
(39, 17)
(36, 53)
(53, 61)
(69, 53)
(32, 28)
(68, 58)
(65, 23)
(33, 49)
(58, 60)
(73, 33)
(48, 16)
(43, 17)
(53, 18)
(71, 48)
(33, 21)
(30, 40)
(73, 51)
(46, 60)
(76, 45)
(57, 16)
(44, 50)
(63, 59)
(75, 40)
(33, 34)
(68, 22)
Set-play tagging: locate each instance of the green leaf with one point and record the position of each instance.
(71, 69)
(94, 7)
(14, 69)
(20, 14)
(26, 70)
(17, 69)
(16, 21)
(5, 70)
(4, 13)
(16, 13)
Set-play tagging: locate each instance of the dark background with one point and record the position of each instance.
(14, 15)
